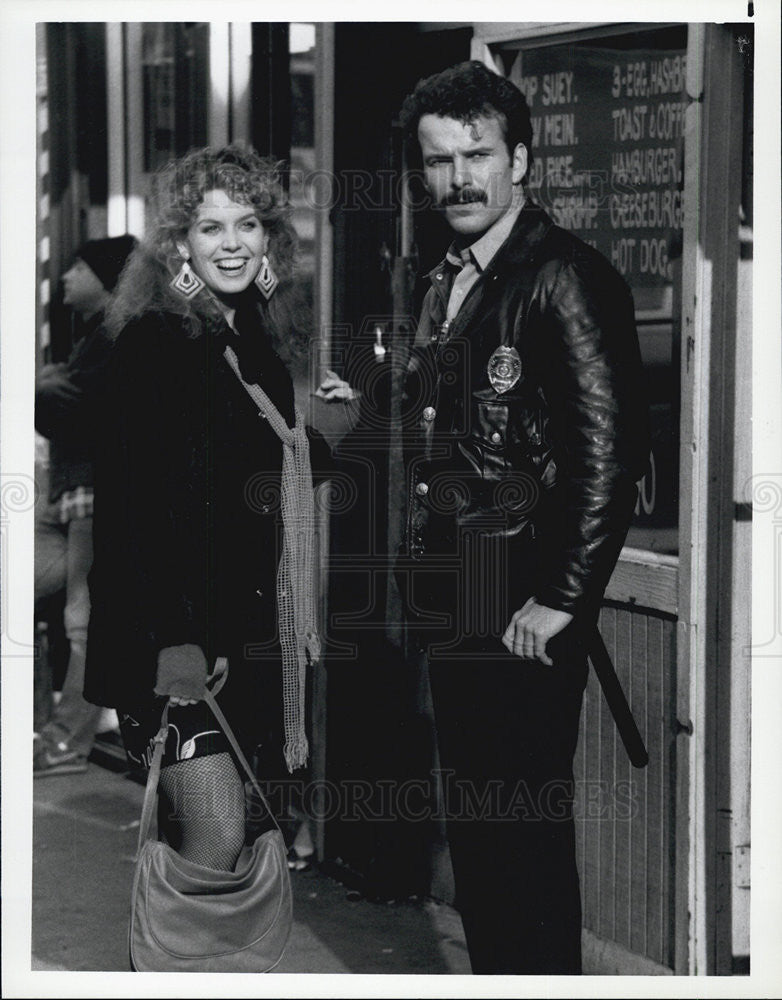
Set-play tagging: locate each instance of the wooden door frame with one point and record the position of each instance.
(710, 276)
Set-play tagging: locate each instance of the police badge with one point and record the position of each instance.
(504, 368)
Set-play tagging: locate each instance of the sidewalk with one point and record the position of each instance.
(85, 830)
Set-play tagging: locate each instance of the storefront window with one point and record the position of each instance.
(302, 77)
(175, 88)
(608, 126)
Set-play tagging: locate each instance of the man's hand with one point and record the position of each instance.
(531, 628)
(54, 380)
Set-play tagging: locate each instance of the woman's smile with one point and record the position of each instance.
(225, 244)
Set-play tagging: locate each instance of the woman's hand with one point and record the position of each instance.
(173, 700)
(181, 674)
(334, 389)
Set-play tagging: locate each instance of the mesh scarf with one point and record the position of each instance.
(295, 576)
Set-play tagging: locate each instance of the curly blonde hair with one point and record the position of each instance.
(178, 191)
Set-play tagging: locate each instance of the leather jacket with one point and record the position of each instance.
(550, 465)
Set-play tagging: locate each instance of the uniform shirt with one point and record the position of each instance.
(473, 260)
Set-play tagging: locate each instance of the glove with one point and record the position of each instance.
(181, 672)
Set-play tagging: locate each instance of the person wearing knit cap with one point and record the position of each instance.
(106, 258)
(65, 400)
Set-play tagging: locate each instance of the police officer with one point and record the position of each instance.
(525, 385)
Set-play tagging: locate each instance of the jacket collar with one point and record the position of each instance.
(259, 363)
(529, 230)
(483, 250)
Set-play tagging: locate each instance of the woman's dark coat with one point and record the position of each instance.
(187, 521)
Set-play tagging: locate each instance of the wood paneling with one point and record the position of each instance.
(625, 816)
(647, 580)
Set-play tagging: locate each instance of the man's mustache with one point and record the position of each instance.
(464, 197)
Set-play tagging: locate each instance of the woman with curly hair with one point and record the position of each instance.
(203, 498)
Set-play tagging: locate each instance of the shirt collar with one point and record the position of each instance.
(482, 251)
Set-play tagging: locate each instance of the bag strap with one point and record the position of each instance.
(218, 714)
(153, 778)
(152, 782)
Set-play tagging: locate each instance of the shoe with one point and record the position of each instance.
(298, 862)
(57, 760)
(302, 850)
(108, 721)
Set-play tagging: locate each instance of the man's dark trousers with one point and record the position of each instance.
(507, 731)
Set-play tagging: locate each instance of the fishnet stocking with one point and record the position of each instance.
(204, 803)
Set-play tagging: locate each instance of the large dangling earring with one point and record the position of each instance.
(266, 279)
(187, 282)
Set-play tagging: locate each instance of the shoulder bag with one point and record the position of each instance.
(188, 918)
